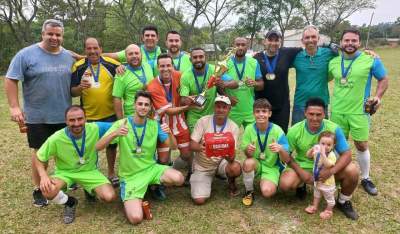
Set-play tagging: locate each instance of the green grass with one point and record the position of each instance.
(221, 214)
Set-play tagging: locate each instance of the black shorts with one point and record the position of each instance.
(38, 133)
(109, 119)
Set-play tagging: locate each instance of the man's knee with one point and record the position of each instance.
(135, 218)
(249, 164)
(233, 169)
(361, 145)
(108, 196)
(199, 201)
(173, 177)
(268, 191)
(287, 182)
(350, 172)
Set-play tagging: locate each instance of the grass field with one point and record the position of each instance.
(222, 214)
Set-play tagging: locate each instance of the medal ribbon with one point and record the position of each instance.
(263, 145)
(150, 60)
(317, 170)
(95, 75)
(215, 125)
(138, 141)
(200, 88)
(271, 67)
(179, 62)
(168, 94)
(80, 151)
(344, 70)
(141, 78)
(241, 73)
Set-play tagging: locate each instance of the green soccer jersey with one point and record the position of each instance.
(301, 139)
(275, 134)
(349, 97)
(126, 86)
(61, 147)
(130, 160)
(182, 62)
(189, 88)
(149, 57)
(243, 110)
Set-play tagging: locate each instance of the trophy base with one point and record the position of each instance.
(200, 100)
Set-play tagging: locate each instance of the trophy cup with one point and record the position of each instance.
(220, 68)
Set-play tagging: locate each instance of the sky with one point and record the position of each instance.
(385, 11)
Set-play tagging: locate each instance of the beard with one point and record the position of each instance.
(352, 50)
(199, 65)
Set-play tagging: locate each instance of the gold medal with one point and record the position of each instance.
(343, 80)
(81, 161)
(270, 76)
(138, 150)
(262, 156)
(241, 83)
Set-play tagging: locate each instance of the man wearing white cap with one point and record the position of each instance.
(214, 140)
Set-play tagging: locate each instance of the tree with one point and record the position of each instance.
(255, 16)
(282, 12)
(312, 9)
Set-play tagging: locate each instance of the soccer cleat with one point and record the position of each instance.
(158, 193)
(69, 212)
(301, 192)
(38, 199)
(248, 198)
(369, 187)
(347, 210)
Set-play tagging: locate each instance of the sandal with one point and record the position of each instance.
(311, 209)
(114, 181)
(326, 214)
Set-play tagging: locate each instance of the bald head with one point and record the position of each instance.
(241, 47)
(133, 55)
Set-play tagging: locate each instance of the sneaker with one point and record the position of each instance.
(248, 198)
(301, 192)
(347, 210)
(69, 212)
(38, 199)
(369, 187)
(89, 197)
(158, 193)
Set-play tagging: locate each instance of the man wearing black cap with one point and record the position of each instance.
(275, 63)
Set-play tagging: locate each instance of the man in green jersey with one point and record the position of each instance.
(197, 80)
(352, 74)
(302, 137)
(264, 145)
(246, 71)
(149, 50)
(73, 149)
(180, 58)
(135, 77)
(137, 138)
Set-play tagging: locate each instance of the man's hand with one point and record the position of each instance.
(46, 184)
(251, 148)
(85, 84)
(275, 147)
(203, 147)
(249, 82)
(120, 70)
(165, 128)
(372, 105)
(17, 115)
(123, 130)
(325, 173)
(219, 82)
(234, 100)
(371, 52)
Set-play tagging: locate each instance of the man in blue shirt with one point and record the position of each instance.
(44, 69)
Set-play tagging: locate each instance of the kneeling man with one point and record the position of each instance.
(73, 149)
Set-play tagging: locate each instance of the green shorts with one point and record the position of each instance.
(268, 173)
(89, 180)
(356, 125)
(134, 187)
(306, 165)
(241, 119)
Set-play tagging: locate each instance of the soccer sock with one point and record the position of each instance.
(248, 180)
(343, 198)
(61, 198)
(71, 201)
(364, 159)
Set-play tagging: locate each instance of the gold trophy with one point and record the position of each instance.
(220, 68)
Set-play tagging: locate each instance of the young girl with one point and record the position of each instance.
(324, 157)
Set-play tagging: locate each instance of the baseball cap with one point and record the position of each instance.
(224, 99)
(273, 33)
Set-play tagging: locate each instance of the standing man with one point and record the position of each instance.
(149, 49)
(311, 66)
(45, 71)
(173, 43)
(75, 156)
(195, 81)
(136, 76)
(92, 80)
(302, 137)
(137, 138)
(352, 73)
(246, 71)
(206, 167)
(275, 63)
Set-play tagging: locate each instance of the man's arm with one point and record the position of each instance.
(119, 111)
(341, 163)
(106, 140)
(304, 175)
(11, 88)
(381, 87)
(46, 185)
(186, 101)
(113, 55)
(77, 90)
(196, 146)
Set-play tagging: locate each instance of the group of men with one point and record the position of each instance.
(145, 102)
